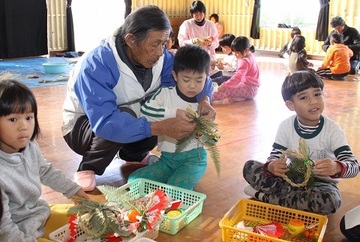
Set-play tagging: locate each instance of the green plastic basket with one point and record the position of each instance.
(191, 208)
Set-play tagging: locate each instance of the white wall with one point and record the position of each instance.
(95, 20)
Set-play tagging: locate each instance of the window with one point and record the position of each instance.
(301, 13)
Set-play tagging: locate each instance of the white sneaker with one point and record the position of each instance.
(250, 191)
(152, 159)
(149, 159)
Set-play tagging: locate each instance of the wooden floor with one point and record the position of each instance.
(248, 129)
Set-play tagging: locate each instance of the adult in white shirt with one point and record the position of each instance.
(199, 31)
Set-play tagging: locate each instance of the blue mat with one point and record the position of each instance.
(31, 72)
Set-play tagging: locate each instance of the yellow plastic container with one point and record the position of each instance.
(255, 211)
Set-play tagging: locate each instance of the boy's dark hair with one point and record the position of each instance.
(298, 82)
(226, 40)
(336, 22)
(191, 57)
(337, 38)
(215, 16)
(295, 31)
(197, 6)
(15, 97)
(297, 44)
(241, 43)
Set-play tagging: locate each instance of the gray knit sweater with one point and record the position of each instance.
(22, 174)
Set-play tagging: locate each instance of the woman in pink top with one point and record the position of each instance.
(244, 84)
(199, 31)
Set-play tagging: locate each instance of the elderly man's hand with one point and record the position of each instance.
(176, 128)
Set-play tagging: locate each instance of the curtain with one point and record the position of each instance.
(255, 23)
(128, 4)
(323, 21)
(70, 27)
(23, 28)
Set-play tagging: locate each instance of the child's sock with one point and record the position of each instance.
(259, 196)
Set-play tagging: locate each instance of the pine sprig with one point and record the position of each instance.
(96, 219)
(115, 195)
(300, 169)
(207, 135)
(116, 216)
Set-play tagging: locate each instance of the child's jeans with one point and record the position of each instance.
(184, 169)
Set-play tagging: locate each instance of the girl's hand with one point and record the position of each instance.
(81, 194)
(220, 65)
(278, 167)
(327, 167)
(221, 88)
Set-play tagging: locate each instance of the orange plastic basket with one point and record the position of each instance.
(255, 211)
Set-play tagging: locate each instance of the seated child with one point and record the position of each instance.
(220, 28)
(26, 217)
(336, 64)
(245, 82)
(285, 51)
(298, 57)
(228, 63)
(171, 43)
(186, 168)
(328, 148)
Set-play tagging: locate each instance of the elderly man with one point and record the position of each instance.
(106, 90)
(351, 39)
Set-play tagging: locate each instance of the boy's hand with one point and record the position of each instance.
(180, 113)
(327, 167)
(278, 167)
(205, 109)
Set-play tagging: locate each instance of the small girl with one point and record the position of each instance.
(245, 82)
(228, 63)
(298, 57)
(24, 170)
(170, 43)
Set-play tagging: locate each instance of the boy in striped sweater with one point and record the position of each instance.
(328, 149)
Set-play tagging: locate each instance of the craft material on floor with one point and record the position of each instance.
(32, 73)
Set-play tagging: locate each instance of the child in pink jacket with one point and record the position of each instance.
(244, 84)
